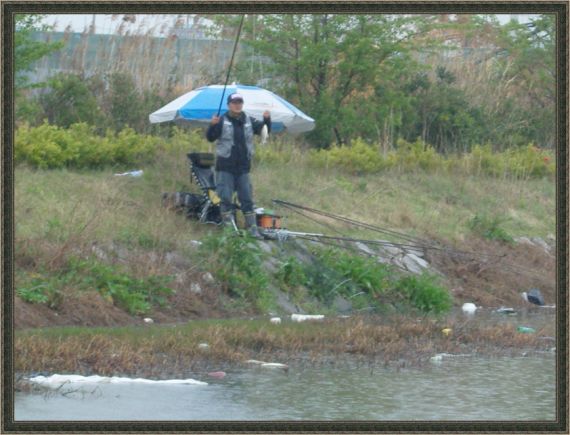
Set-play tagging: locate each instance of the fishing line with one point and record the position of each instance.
(231, 63)
(425, 245)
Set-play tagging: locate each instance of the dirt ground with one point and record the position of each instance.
(492, 277)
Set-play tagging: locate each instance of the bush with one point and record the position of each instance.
(523, 162)
(490, 228)
(236, 261)
(424, 293)
(69, 101)
(366, 283)
(360, 158)
(134, 295)
(50, 146)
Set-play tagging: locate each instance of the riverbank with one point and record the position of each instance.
(192, 349)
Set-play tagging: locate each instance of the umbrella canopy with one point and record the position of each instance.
(198, 107)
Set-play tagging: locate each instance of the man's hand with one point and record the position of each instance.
(266, 114)
(215, 120)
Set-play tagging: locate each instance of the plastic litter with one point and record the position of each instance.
(137, 173)
(305, 317)
(275, 320)
(446, 331)
(504, 310)
(275, 366)
(526, 330)
(203, 346)
(148, 320)
(268, 365)
(217, 375)
(469, 308)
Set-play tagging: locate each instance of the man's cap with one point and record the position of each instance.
(235, 97)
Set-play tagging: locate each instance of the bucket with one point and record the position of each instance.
(268, 221)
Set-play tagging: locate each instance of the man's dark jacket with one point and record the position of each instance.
(238, 162)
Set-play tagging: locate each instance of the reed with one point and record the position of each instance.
(158, 351)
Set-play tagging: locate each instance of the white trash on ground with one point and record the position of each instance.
(268, 365)
(305, 317)
(469, 308)
(137, 173)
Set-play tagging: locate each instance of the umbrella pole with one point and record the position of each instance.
(231, 63)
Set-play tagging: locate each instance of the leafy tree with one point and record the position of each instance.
(512, 79)
(27, 50)
(69, 100)
(331, 65)
(529, 55)
(441, 114)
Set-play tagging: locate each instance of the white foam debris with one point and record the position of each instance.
(268, 365)
(254, 361)
(57, 380)
(274, 366)
(305, 317)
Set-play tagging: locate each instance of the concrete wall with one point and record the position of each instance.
(153, 62)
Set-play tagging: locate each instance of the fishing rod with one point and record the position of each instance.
(417, 240)
(425, 245)
(231, 63)
(330, 240)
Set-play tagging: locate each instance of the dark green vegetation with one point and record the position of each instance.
(452, 82)
(134, 295)
(237, 262)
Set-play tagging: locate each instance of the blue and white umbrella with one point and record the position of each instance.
(198, 107)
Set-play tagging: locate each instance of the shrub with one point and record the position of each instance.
(359, 158)
(369, 284)
(40, 291)
(490, 228)
(236, 261)
(134, 295)
(424, 293)
(69, 100)
(50, 146)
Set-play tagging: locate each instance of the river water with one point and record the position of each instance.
(461, 388)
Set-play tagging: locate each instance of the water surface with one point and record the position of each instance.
(456, 389)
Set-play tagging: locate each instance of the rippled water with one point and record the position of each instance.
(456, 389)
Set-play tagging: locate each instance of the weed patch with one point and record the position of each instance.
(490, 228)
(134, 295)
(363, 281)
(236, 261)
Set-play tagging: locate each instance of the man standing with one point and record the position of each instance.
(234, 151)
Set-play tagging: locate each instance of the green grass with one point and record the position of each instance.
(418, 203)
(61, 213)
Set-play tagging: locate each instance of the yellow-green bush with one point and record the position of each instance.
(413, 155)
(79, 146)
(523, 162)
(360, 157)
(50, 146)
(184, 141)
